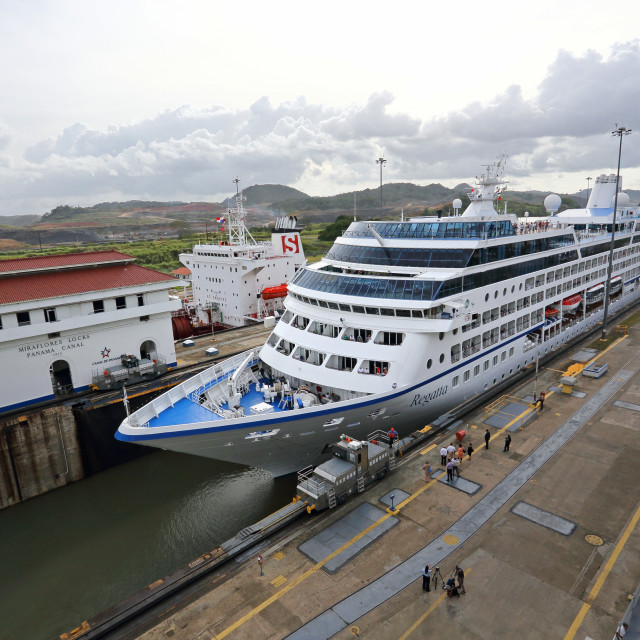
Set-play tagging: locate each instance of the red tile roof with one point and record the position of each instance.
(52, 284)
(59, 261)
(182, 271)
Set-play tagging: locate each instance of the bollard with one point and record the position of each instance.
(260, 561)
(392, 496)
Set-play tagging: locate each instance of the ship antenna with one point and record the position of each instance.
(237, 182)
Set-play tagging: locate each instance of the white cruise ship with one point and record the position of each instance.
(400, 323)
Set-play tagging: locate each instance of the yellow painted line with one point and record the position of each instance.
(309, 572)
(279, 581)
(613, 344)
(427, 449)
(595, 590)
(428, 612)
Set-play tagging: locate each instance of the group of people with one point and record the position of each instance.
(531, 227)
(450, 585)
(451, 457)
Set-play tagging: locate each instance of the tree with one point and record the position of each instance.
(332, 231)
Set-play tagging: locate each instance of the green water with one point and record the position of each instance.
(74, 552)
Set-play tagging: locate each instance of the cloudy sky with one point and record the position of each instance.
(165, 100)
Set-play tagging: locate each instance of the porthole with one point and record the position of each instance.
(504, 291)
(518, 367)
(455, 331)
(441, 358)
(503, 376)
(429, 363)
(486, 298)
(520, 287)
(441, 336)
(513, 288)
(494, 380)
(495, 293)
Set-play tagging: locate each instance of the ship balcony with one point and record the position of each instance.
(310, 356)
(341, 363)
(324, 329)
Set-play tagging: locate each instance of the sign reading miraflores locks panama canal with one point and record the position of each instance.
(61, 346)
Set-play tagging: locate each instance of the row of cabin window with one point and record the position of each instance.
(437, 258)
(433, 312)
(50, 314)
(466, 376)
(413, 289)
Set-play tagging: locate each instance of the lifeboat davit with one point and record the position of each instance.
(269, 293)
(571, 303)
(551, 312)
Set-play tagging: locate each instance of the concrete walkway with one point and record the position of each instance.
(549, 542)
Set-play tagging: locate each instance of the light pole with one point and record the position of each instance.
(588, 188)
(619, 132)
(381, 161)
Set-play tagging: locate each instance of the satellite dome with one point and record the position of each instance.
(552, 203)
(623, 199)
(457, 203)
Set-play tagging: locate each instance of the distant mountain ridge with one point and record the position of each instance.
(269, 200)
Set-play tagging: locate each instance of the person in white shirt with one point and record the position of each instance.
(621, 630)
(443, 455)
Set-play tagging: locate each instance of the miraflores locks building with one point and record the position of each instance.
(65, 319)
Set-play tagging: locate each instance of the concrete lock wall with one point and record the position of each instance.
(38, 452)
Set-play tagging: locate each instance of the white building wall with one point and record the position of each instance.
(86, 340)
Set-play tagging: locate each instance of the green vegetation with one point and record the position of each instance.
(613, 333)
(332, 231)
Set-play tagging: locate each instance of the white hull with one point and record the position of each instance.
(302, 434)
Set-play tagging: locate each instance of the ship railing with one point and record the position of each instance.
(310, 483)
(455, 357)
(194, 386)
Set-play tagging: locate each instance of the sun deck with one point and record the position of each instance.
(187, 411)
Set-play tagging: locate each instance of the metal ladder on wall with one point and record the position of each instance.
(360, 484)
(392, 462)
(331, 497)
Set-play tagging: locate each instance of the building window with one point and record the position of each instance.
(23, 318)
(50, 315)
(454, 382)
(121, 302)
(0, 323)
(140, 300)
(98, 306)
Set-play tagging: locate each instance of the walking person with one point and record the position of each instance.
(460, 576)
(460, 452)
(487, 437)
(456, 464)
(426, 578)
(507, 442)
(450, 471)
(443, 456)
(470, 450)
(541, 400)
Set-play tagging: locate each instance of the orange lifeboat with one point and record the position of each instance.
(269, 293)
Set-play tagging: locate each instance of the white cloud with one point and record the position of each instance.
(193, 153)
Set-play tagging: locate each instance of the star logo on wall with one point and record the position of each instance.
(105, 352)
